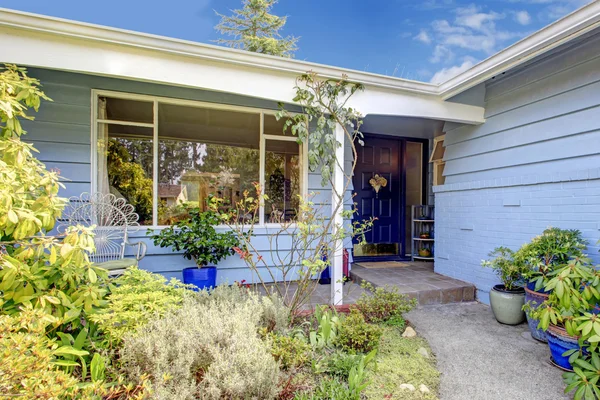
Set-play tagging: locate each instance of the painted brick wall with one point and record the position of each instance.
(532, 164)
(472, 222)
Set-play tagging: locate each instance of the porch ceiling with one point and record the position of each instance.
(421, 128)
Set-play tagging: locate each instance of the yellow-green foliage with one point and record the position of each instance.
(356, 335)
(26, 354)
(137, 297)
(35, 270)
(291, 352)
(28, 192)
(398, 362)
(54, 276)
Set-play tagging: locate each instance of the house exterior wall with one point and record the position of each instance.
(61, 132)
(534, 163)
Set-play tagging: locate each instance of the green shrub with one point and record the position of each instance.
(27, 370)
(275, 316)
(383, 304)
(356, 335)
(137, 297)
(291, 352)
(548, 251)
(208, 349)
(340, 363)
(328, 389)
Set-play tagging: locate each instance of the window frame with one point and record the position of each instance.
(156, 100)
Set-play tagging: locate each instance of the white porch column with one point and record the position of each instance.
(337, 197)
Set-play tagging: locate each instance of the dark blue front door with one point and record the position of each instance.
(381, 157)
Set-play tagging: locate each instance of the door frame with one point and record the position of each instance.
(402, 188)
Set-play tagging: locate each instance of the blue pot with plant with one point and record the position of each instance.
(541, 258)
(567, 315)
(199, 241)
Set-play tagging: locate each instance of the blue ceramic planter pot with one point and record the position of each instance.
(560, 341)
(202, 278)
(535, 299)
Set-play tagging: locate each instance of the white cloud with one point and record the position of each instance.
(423, 36)
(522, 17)
(405, 35)
(472, 30)
(441, 53)
(433, 4)
(443, 26)
(424, 73)
(471, 17)
(445, 74)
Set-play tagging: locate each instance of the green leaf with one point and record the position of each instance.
(70, 351)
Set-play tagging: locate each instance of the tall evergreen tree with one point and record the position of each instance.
(255, 29)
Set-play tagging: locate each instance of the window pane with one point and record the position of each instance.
(125, 166)
(282, 180)
(274, 127)
(204, 152)
(414, 183)
(110, 108)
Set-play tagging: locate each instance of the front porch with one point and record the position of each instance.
(416, 280)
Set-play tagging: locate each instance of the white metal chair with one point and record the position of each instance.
(113, 220)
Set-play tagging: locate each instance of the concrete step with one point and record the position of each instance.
(417, 281)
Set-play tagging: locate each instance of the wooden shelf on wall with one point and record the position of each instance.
(437, 159)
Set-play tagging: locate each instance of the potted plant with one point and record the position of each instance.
(507, 299)
(424, 252)
(199, 241)
(542, 256)
(569, 314)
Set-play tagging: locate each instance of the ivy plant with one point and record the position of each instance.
(198, 238)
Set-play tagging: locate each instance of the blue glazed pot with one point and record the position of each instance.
(535, 299)
(560, 341)
(202, 278)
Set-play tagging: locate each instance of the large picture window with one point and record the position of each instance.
(167, 156)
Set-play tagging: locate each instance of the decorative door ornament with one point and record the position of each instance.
(377, 182)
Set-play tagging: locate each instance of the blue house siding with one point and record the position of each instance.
(62, 134)
(534, 163)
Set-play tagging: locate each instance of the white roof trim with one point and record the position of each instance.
(563, 30)
(98, 33)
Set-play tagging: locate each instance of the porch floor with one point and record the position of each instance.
(418, 281)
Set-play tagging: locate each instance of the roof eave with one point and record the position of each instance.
(82, 30)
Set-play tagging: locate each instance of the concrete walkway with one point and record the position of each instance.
(481, 359)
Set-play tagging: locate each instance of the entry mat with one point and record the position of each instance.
(383, 264)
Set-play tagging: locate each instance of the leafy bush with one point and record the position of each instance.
(27, 370)
(504, 265)
(291, 352)
(340, 363)
(553, 248)
(383, 304)
(328, 389)
(137, 297)
(198, 239)
(356, 335)
(208, 348)
(274, 315)
(327, 328)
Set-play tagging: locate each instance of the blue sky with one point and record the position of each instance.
(427, 40)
